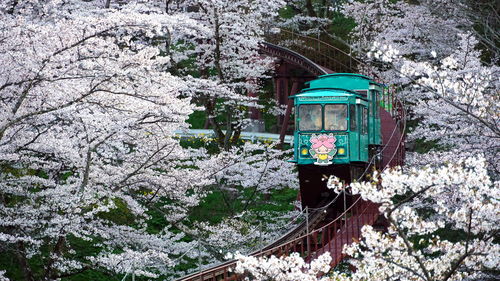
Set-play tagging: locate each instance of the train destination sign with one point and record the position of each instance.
(322, 98)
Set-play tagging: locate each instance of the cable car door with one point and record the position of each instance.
(354, 133)
(363, 135)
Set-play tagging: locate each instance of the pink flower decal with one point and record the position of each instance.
(323, 149)
(323, 140)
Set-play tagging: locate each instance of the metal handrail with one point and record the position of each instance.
(359, 201)
(290, 55)
(323, 43)
(360, 205)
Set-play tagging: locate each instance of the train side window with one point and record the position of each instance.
(352, 117)
(336, 117)
(364, 121)
(310, 117)
(372, 97)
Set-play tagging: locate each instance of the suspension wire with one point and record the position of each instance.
(327, 205)
(302, 212)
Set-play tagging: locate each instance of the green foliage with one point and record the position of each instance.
(341, 25)
(208, 143)
(197, 120)
(120, 214)
(286, 12)
(8, 260)
(216, 206)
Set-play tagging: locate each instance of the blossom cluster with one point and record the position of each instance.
(458, 197)
(292, 267)
(90, 99)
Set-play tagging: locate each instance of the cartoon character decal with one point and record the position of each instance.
(323, 149)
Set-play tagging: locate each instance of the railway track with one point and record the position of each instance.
(318, 234)
(315, 218)
(331, 238)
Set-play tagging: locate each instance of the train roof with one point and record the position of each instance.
(345, 74)
(326, 92)
(343, 80)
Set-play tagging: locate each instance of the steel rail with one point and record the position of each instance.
(315, 217)
(365, 206)
(250, 136)
(292, 57)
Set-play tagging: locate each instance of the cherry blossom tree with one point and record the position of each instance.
(88, 112)
(443, 213)
(227, 56)
(306, 18)
(91, 95)
(443, 224)
(427, 53)
(413, 29)
(244, 177)
(454, 99)
(287, 268)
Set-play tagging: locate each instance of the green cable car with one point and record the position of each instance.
(337, 120)
(337, 132)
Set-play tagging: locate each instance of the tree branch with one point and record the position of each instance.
(409, 249)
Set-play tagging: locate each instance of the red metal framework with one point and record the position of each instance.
(331, 238)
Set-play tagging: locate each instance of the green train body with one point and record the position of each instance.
(337, 120)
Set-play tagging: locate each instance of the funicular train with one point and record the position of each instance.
(337, 132)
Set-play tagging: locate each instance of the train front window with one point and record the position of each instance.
(336, 117)
(310, 117)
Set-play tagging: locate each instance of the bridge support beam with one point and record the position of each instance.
(288, 112)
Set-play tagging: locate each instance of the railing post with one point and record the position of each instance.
(199, 254)
(307, 230)
(329, 239)
(350, 57)
(345, 205)
(352, 224)
(357, 221)
(302, 247)
(335, 237)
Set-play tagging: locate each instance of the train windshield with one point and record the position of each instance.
(310, 117)
(336, 117)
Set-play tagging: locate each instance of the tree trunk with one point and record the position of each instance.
(218, 40)
(49, 269)
(310, 9)
(23, 262)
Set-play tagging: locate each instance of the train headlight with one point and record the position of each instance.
(304, 151)
(341, 151)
